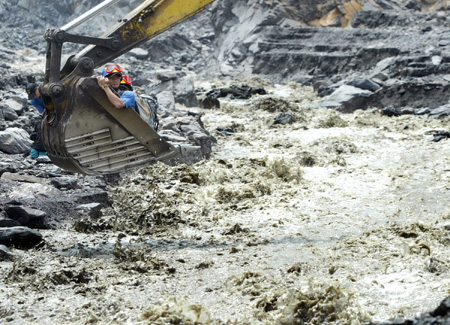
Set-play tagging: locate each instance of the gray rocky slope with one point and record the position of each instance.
(390, 54)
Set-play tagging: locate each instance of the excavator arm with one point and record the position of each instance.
(81, 130)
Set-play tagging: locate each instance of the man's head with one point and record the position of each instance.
(32, 90)
(125, 83)
(112, 69)
(114, 73)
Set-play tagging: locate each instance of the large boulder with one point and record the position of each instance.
(27, 216)
(346, 99)
(29, 191)
(8, 113)
(21, 237)
(184, 91)
(15, 141)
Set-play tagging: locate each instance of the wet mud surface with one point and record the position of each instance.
(333, 219)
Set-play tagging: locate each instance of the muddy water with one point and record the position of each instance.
(336, 218)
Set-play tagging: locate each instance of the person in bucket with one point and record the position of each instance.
(147, 109)
(125, 83)
(37, 149)
(110, 80)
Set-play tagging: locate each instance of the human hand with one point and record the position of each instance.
(103, 82)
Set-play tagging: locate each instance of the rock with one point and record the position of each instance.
(437, 266)
(346, 99)
(98, 196)
(223, 130)
(167, 75)
(156, 88)
(391, 111)
(380, 77)
(64, 182)
(23, 178)
(93, 210)
(20, 237)
(208, 102)
(6, 254)
(440, 112)
(423, 111)
(414, 93)
(32, 191)
(304, 80)
(193, 132)
(210, 99)
(11, 104)
(443, 309)
(385, 4)
(6, 168)
(26, 216)
(283, 118)
(171, 136)
(366, 84)
(187, 128)
(437, 52)
(165, 48)
(166, 99)
(436, 60)
(43, 160)
(383, 65)
(206, 38)
(9, 114)
(184, 90)
(414, 5)
(323, 91)
(321, 84)
(6, 222)
(408, 111)
(15, 141)
(139, 53)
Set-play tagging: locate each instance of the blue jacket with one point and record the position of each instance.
(38, 103)
(128, 98)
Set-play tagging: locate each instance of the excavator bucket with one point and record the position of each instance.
(81, 130)
(93, 137)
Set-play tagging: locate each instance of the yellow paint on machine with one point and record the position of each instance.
(157, 16)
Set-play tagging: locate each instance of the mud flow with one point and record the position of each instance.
(331, 219)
